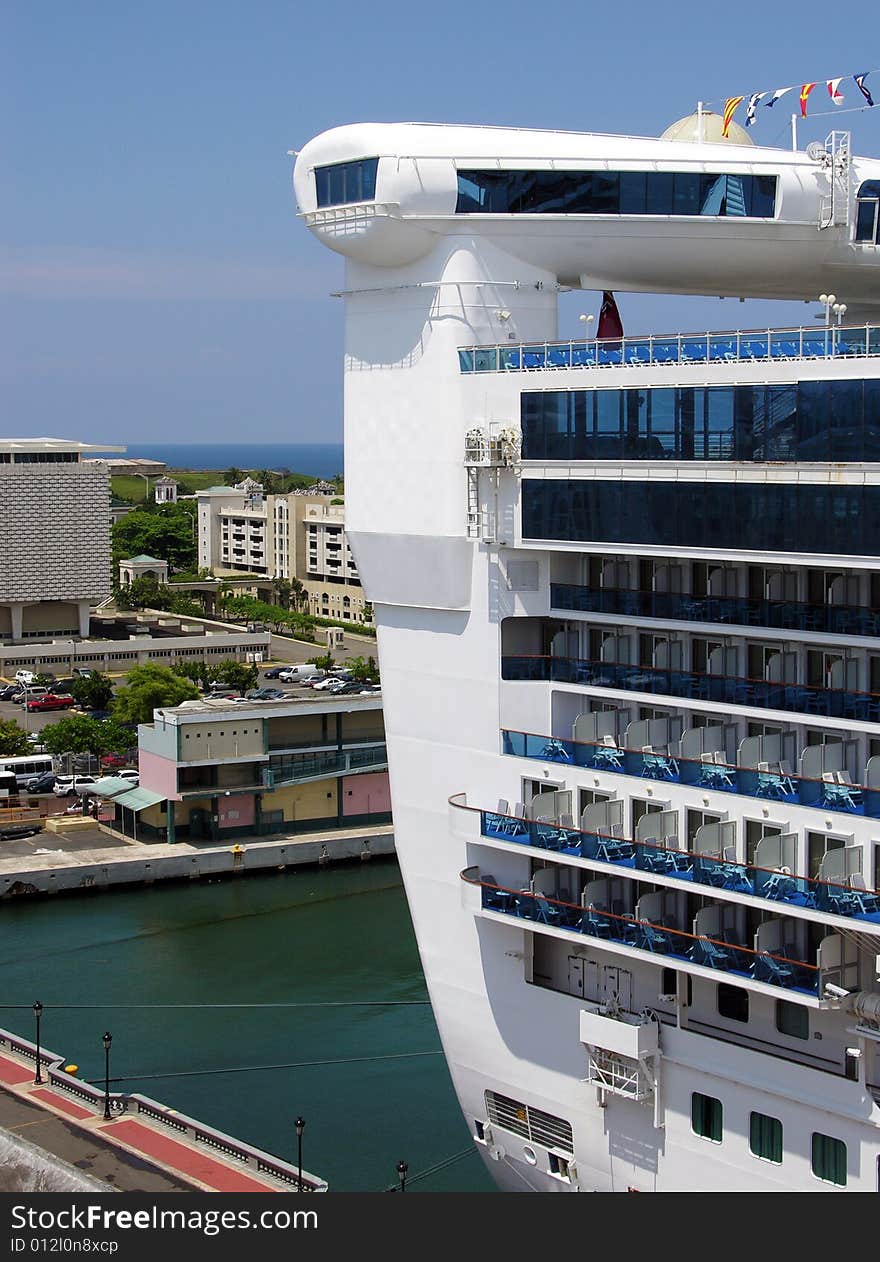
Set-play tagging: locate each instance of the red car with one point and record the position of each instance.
(52, 701)
(113, 760)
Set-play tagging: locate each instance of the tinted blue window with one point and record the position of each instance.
(345, 182)
(867, 225)
(826, 520)
(614, 193)
(813, 420)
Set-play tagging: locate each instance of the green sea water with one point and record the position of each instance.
(327, 936)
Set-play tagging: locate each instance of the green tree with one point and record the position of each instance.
(324, 662)
(238, 675)
(269, 481)
(77, 734)
(364, 669)
(283, 590)
(92, 692)
(13, 739)
(150, 688)
(233, 476)
(165, 531)
(198, 672)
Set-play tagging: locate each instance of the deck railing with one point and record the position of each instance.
(645, 936)
(772, 783)
(679, 348)
(790, 615)
(728, 689)
(774, 885)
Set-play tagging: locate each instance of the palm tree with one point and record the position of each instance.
(299, 594)
(233, 476)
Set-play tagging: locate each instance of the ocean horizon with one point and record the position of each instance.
(318, 460)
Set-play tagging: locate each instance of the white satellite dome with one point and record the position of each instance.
(689, 129)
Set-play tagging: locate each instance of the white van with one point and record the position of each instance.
(301, 674)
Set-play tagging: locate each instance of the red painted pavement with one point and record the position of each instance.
(183, 1158)
(59, 1102)
(13, 1073)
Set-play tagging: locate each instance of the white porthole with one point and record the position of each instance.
(530, 1156)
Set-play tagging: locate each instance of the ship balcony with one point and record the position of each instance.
(685, 348)
(776, 889)
(713, 957)
(738, 690)
(786, 615)
(773, 783)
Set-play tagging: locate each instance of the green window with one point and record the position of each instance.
(765, 1137)
(706, 1116)
(829, 1159)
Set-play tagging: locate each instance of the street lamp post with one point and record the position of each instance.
(300, 1125)
(107, 1039)
(402, 1168)
(38, 1012)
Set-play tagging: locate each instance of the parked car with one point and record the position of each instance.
(326, 685)
(9, 692)
(229, 694)
(303, 673)
(99, 714)
(51, 701)
(28, 694)
(83, 672)
(42, 784)
(264, 694)
(71, 786)
(113, 760)
(61, 685)
(25, 676)
(274, 673)
(128, 773)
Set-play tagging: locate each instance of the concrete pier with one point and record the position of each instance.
(110, 860)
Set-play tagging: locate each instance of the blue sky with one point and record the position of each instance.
(155, 284)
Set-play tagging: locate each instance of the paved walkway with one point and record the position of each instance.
(131, 1154)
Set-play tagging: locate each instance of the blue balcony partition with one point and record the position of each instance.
(771, 785)
(787, 615)
(642, 935)
(725, 689)
(699, 869)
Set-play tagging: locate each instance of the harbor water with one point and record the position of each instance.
(225, 965)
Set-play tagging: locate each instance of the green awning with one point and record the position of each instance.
(110, 786)
(138, 799)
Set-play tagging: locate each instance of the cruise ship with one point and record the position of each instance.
(627, 593)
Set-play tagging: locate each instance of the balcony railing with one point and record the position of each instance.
(789, 615)
(727, 689)
(310, 767)
(652, 939)
(683, 865)
(772, 784)
(683, 348)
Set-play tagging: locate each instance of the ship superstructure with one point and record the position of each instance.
(628, 605)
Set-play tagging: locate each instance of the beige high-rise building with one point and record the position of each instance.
(54, 537)
(296, 536)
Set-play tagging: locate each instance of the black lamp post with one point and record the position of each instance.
(38, 1012)
(300, 1125)
(402, 1168)
(107, 1039)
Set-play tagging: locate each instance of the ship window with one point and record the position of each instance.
(829, 1159)
(733, 1002)
(345, 182)
(765, 1137)
(792, 1019)
(614, 193)
(867, 214)
(706, 1116)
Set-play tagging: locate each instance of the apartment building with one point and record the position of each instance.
(54, 537)
(215, 769)
(296, 536)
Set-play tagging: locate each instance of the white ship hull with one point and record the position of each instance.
(584, 1059)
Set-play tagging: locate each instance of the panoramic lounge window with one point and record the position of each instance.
(345, 182)
(615, 193)
(868, 213)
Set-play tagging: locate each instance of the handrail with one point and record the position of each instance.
(576, 598)
(745, 878)
(732, 346)
(631, 677)
(630, 922)
(639, 762)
